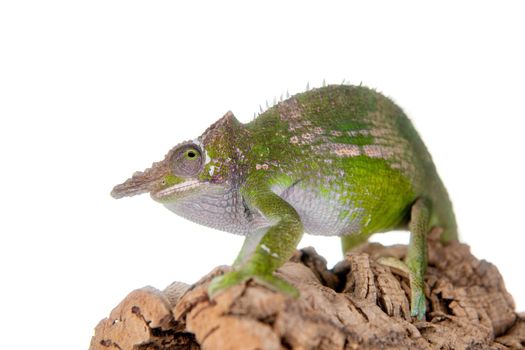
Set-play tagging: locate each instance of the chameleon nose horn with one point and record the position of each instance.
(144, 181)
(141, 181)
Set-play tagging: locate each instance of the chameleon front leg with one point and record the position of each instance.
(417, 255)
(266, 249)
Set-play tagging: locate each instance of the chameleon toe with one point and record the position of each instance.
(418, 307)
(221, 283)
(228, 280)
(277, 284)
(417, 298)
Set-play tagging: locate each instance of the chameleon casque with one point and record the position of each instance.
(338, 160)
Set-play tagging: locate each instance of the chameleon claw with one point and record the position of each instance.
(417, 298)
(221, 283)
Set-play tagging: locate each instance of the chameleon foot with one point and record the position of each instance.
(418, 306)
(417, 298)
(277, 284)
(221, 283)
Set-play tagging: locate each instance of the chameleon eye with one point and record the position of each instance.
(191, 154)
(187, 161)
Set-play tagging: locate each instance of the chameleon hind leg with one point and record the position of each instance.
(266, 249)
(417, 255)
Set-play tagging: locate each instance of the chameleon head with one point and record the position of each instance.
(188, 169)
(178, 175)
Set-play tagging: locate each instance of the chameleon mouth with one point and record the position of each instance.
(178, 188)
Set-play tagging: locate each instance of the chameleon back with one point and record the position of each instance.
(347, 159)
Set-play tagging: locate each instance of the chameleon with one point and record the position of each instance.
(338, 160)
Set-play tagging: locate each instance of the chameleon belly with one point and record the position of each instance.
(357, 202)
(322, 214)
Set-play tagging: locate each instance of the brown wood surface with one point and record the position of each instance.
(359, 304)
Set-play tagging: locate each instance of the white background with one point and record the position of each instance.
(92, 91)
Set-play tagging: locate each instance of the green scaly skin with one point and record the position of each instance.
(338, 160)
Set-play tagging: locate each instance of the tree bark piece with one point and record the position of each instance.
(359, 304)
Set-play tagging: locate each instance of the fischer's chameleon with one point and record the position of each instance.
(338, 160)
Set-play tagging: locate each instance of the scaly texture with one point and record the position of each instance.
(339, 160)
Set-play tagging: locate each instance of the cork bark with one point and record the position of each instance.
(359, 304)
